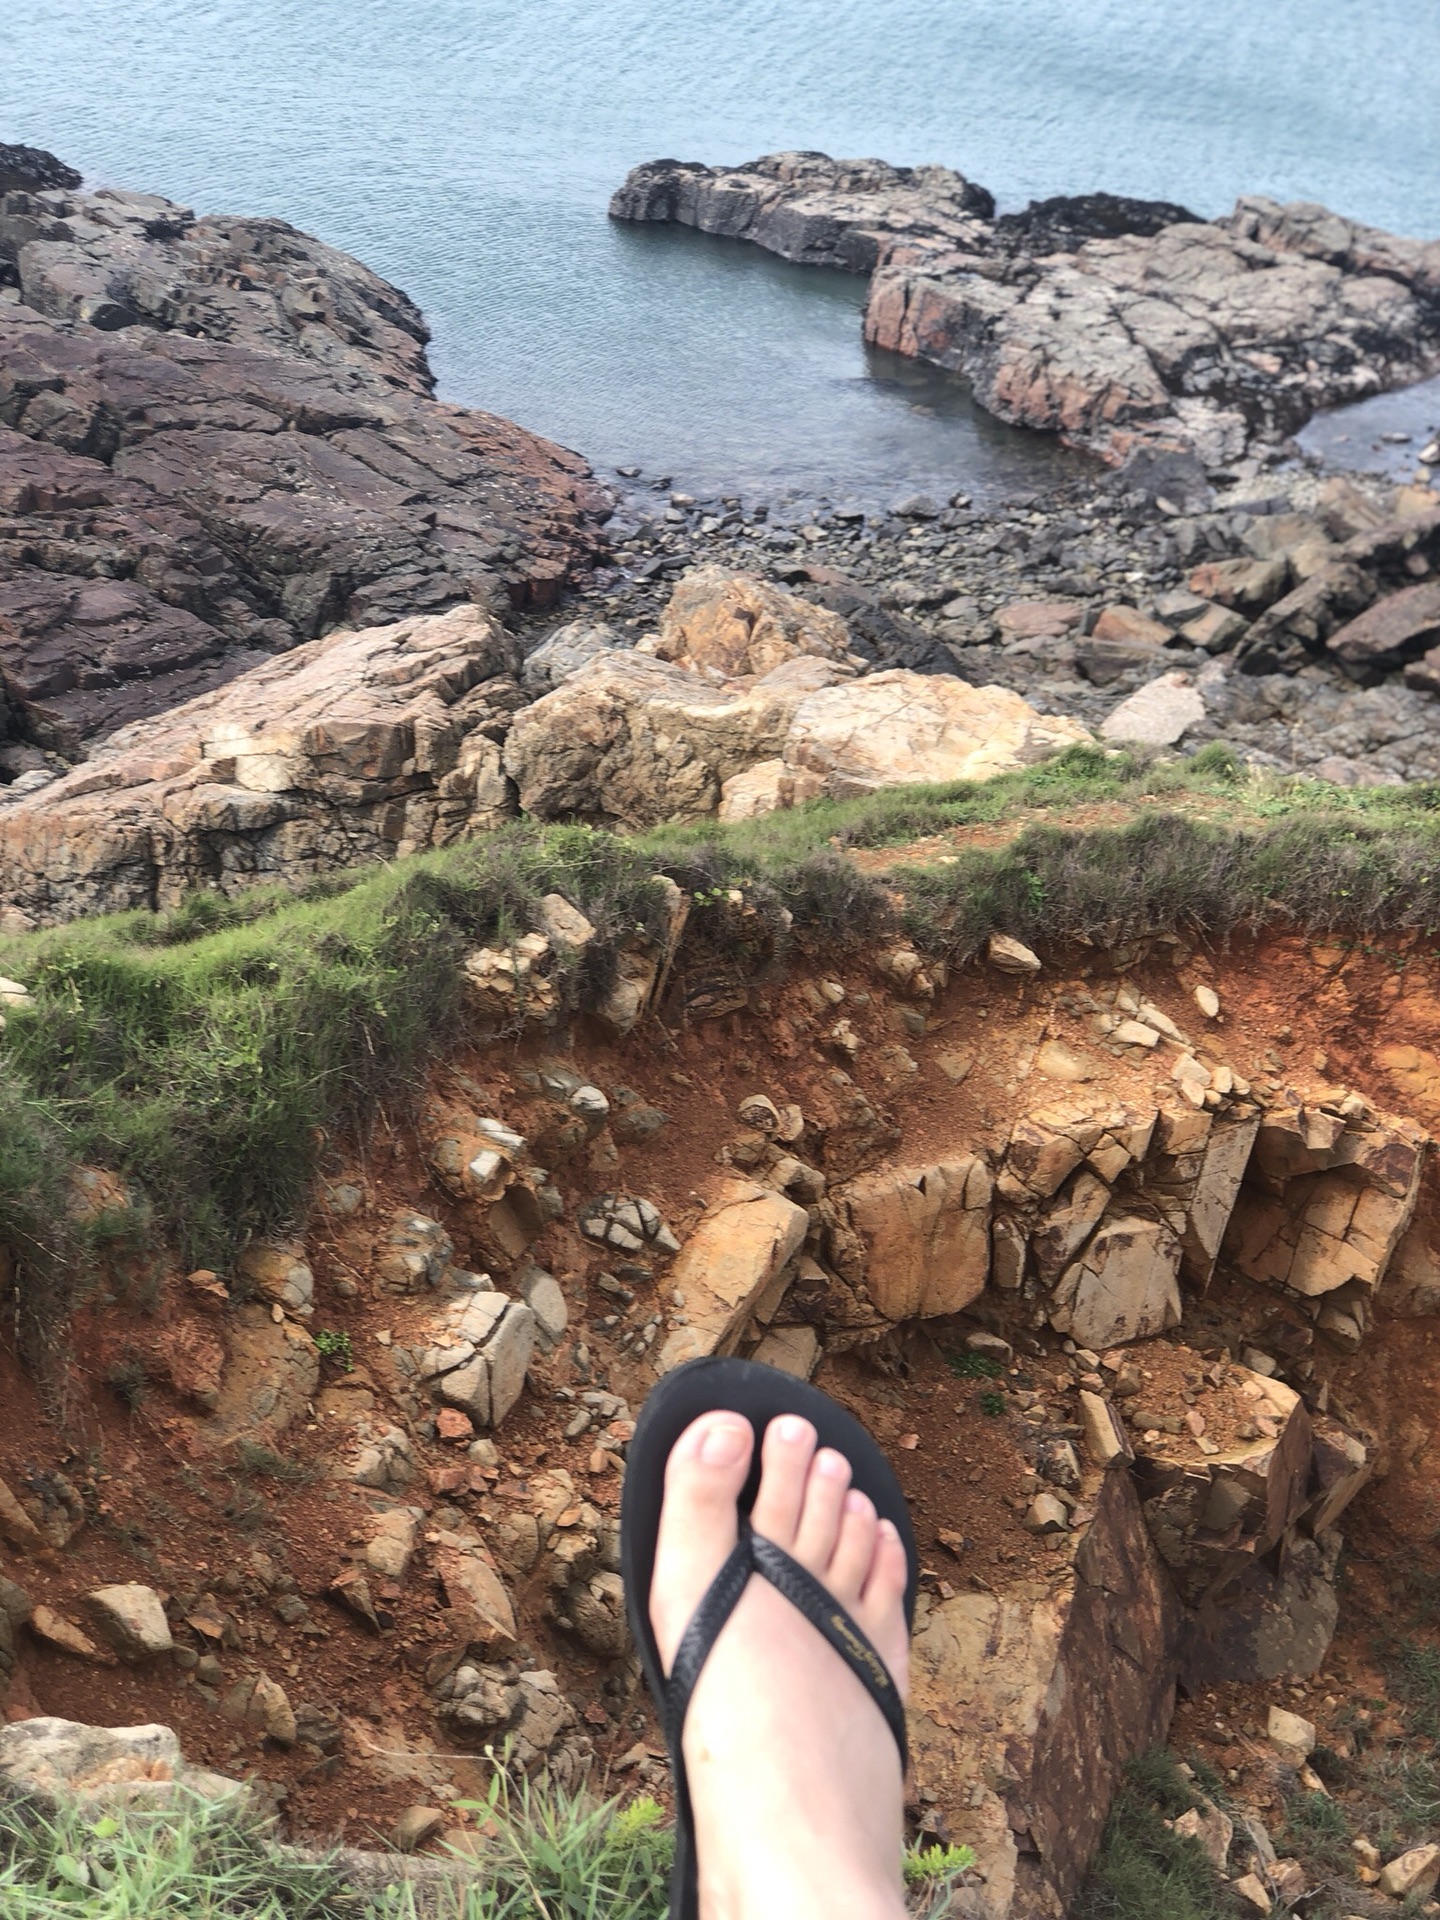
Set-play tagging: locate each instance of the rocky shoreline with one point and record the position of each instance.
(268, 609)
(1115, 323)
(217, 440)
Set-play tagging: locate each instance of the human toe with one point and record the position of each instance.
(698, 1520)
(786, 1453)
(821, 1511)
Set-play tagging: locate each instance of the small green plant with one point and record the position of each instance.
(1143, 1870)
(333, 1344)
(264, 1463)
(974, 1366)
(129, 1380)
(935, 1863)
(992, 1404)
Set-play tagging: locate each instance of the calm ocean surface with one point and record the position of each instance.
(467, 148)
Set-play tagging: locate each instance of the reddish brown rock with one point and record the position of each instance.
(1392, 631)
(217, 439)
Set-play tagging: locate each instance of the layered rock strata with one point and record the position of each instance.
(217, 439)
(1115, 324)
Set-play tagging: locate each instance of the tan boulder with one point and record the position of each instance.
(631, 741)
(1123, 1287)
(738, 627)
(1327, 1200)
(480, 1611)
(741, 1248)
(926, 1232)
(1195, 1173)
(353, 747)
(768, 787)
(894, 727)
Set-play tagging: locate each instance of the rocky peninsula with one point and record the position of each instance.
(1115, 323)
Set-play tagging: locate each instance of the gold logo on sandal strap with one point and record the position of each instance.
(866, 1656)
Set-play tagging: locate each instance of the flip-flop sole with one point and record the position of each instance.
(759, 1394)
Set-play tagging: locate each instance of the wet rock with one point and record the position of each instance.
(131, 1620)
(788, 203)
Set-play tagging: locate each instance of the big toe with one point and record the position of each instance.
(699, 1521)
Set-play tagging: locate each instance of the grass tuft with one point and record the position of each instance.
(1143, 1870)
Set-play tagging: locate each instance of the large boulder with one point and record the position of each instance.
(1027, 1702)
(896, 727)
(361, 745)
(630, 741)
(58, 1762)
(735, 1263)
(736, 626)
(1327, 1198)
(1121, 324)
(219, 441)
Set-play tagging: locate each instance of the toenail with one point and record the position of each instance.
(834, 1466)
(792, 1429)
(859, 1503)
(723, 1444)
(889, 1530)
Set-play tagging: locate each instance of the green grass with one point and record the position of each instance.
(1143, 1871)
(207, 1055)
(548, 1855)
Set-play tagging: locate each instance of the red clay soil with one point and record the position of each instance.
(166, 1509)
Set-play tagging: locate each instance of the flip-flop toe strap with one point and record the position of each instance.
(753, 1553)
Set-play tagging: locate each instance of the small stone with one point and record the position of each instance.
(991, 1345)
(131, 1619)
(53, 1627)
(1414, 1872)
(1133, 1033)
(1009, 955)
(1047, 1514)
(452, 1424)
(1208, 1001)
(419, 1825)
(1253, 1892)
(1290, 1733)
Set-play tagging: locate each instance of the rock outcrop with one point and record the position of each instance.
(1113, 323)
(354, 747)
(217, 439)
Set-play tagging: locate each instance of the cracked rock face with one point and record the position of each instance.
(217, 439)
(1113, 323)
(360, 745)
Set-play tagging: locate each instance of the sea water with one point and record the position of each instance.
(467, 148)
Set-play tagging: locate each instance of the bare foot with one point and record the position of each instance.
(794, 1775)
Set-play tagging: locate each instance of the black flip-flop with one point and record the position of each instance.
(759, 1394)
